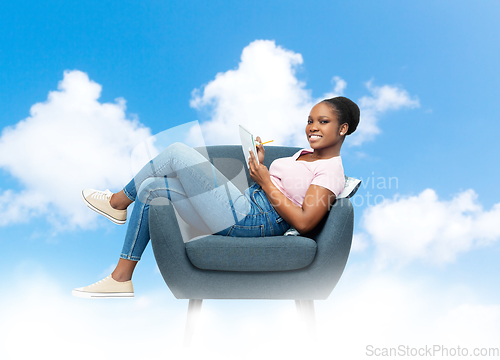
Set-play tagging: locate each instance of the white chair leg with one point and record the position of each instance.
(305, 309)
(194, 308)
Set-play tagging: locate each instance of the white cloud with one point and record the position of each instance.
(359, 242)
(42, 320)
(470, 323)
(264, 95)
(69, 142)
(385, 310)
(367, 307)
(384, 98)
(339, 86)
(426, 228)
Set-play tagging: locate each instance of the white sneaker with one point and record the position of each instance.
(107, 288)
(99, 202)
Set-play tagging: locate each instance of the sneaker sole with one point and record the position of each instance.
(90, 295)
(92, 207)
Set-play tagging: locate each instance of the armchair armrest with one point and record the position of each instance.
(333, 236)
(167, 240)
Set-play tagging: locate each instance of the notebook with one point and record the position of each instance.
(247, 143)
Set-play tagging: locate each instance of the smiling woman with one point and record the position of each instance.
(295, 192)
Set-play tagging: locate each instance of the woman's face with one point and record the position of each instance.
(323, 129)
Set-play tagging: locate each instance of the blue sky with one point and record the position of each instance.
(425, 259)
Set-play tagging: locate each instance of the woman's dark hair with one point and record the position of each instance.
(347, 111)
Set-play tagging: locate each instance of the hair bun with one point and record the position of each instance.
(353, 113)
(347, 110)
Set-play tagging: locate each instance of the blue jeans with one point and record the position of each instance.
(202, 196)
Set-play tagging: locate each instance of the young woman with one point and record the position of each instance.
(295, 192)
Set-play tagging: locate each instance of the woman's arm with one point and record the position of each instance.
(316, 202)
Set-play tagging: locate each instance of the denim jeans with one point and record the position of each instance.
(201, 195)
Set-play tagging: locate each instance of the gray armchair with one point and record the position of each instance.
(301, 268)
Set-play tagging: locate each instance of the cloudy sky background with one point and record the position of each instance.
(83, 85)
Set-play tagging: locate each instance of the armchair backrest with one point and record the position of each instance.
(229, 160)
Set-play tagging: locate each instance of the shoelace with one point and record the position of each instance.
(100, 281)
(102, 195)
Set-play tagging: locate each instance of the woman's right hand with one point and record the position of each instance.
(260, 150)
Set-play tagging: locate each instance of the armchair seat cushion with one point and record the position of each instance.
(272, 253)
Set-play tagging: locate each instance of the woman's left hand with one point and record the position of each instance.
(260, 150)
(258, 172)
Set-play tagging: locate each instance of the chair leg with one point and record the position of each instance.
(194, 308)
(305, 309)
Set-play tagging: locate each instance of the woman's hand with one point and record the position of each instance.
(260, 150)
(317, 200)
(258, 172)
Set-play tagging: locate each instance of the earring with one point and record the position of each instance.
(341, 133)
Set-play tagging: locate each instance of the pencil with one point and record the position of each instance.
(257, 143)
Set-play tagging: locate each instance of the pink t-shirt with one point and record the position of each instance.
(293, 177)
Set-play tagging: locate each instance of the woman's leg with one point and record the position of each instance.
(202, 196)
(120, 201)
(204, 186)
(124, 270)
(137, 235)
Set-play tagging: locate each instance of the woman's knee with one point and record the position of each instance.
(148, 186)
(177, 149)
